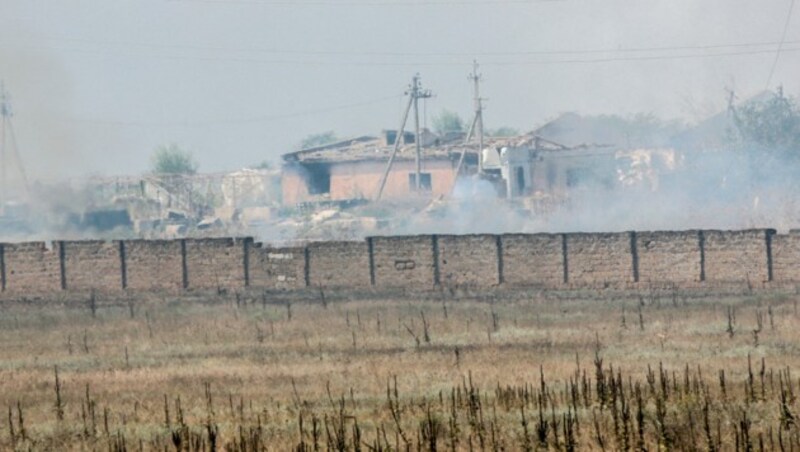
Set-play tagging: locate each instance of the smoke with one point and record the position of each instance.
(40, 90)
(752, 188)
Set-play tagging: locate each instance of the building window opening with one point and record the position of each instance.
(424, 181)
(520, 180)
(551, 176)
(318, 178)
(577, 177)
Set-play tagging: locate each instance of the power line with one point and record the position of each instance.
(780, 45)
(554, 52)
(231, 121)
(391, 3)
(507, 62)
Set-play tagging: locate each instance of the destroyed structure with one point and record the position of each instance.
(521, 166)
(352, 169)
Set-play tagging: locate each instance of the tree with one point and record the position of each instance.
(264, 165)
(503, 132)
(447, 122)
(171, 159)
(318, 139)
(773, 123)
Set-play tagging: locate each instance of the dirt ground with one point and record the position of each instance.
(383, 374)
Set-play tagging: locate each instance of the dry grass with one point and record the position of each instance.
(382, 375)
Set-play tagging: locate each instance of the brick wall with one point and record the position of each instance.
(276, 268)
(338, 264)
(599, 259)
(736, 256)
(415, 262)
(215, 263)
(154, 265)
(93, 265)
(352, 180)
(786, 257)
(403, 261)
(468, 260)
(31, 268)
(533, 259)
(668, 256)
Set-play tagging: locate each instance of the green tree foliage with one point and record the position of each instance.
(264, 165)
(171, 159)
(773, 123)
(447, 121)
(502, 132)
(318, 139)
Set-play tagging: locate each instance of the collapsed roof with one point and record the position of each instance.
(371, 148)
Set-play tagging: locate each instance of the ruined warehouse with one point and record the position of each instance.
(757, 258)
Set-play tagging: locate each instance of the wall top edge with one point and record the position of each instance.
(52, 243)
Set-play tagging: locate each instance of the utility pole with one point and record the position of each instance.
(414, 93)
(8, 140)
(418, 93)
(5, 112)
(476, 78)
(477, 120)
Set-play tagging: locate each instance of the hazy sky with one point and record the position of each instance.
(98, 84)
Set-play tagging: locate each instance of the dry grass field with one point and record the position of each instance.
(657, 372)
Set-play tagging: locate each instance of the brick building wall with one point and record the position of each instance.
(404, 261)
(93, 265)
(669, 256)
(533, 259)
(338, 264)
(276, 268)
(599, 259)
(154, 265)
(736, 256)
(360, 180)
(468, 260)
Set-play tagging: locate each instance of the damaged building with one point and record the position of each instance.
(353, 169)
(531, 166)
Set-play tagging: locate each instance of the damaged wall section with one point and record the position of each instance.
(276, 268)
